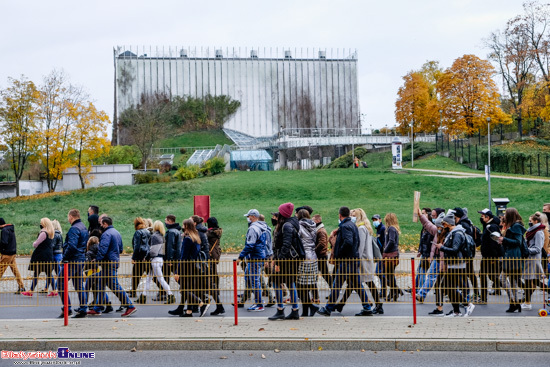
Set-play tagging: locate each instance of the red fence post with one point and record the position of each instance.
(66, 293)
(235, 298)
(413, 292)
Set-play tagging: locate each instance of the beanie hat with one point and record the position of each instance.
(286, 209)
(212, 222)
(458, 212)
(449, 219)
(439, 221)
(2, 221)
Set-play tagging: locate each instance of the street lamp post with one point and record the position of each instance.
(489, 157)
(412, 144)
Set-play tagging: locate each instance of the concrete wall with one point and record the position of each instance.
(105, 175)
(275, 92)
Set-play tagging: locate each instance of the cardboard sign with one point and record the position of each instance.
(416, 206)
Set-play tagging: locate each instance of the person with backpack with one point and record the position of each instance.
(141, 242)
(491, 255)
(347, 268)
(308, 270)
(461, 217)
(214, 235)
(533, 270)
(512, 242)
(321, 250)
(288, 252)
(456, 250)
(172, 254)
(390, 255)
(254, 252)
(204, 282)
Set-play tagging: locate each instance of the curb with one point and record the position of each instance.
(459, 345)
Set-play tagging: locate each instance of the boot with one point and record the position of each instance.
(378, 309)
(514, 307)
(279, 315)
(178, 311)
(313, 309)
(305, 310)
(142, 300)
(294, 315)
(218, 311)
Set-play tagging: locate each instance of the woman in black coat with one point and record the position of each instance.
(42, 257)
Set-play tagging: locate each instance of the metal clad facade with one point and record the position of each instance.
(276, 90)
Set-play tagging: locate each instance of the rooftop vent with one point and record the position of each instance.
(323, 55)
(253, 54)
(219, 54)
(288, 54)
(183, 52)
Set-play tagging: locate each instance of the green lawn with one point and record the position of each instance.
(232, 194)
(196, 139)
(437, 162)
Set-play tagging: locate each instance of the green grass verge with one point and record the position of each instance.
(196, 139)
(233, 193)
(437, 162)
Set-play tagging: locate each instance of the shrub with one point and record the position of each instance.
(122, 154)
(213, 166)
(183, 150)
(346, 160)
(145, 178)
(187, 173)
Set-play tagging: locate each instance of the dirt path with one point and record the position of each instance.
(455, 174)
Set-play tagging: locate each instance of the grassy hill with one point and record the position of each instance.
(196, 139)
(232, 194)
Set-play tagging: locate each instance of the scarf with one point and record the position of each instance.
(530, 234)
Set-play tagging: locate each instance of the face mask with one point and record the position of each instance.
(339, 221)
(273, 221)
(354, 219)
(530, 224)
(42, 227)
(439, 230)
(248, 220)
(433, 221)
(547, 214)
(376, 224)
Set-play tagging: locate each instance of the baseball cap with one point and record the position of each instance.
(486, 212)
(253, 213)
(376, 216)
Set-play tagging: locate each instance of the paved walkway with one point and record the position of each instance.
(456, 174)
(341, 333)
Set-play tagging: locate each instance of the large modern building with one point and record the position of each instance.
(306, 92)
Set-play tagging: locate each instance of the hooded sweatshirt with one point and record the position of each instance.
(451, 248)
(255, 248)
(8, 244)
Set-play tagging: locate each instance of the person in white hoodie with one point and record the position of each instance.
(308, 270)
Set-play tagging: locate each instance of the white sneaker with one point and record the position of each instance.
(469, 309)
(452, 314)
(527, 307)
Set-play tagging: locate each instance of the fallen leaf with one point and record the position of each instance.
(198, 320)
(223, 357)
(133, 349)
(491, 324)
(320, 348)
(44, 320)
(293, 328)
(114, 328)
(263, 356)
(251, 354)
(277, 351)
(362, 351)
(261, 329)
(410, 326)
(418, 350)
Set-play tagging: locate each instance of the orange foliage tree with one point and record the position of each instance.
(469, 95)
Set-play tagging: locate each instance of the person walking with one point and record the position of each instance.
(424, 250)
(453, 249)
(380, 238)
(533, 271)
(512, 240)
(307, 271)
(74, 250)
(172, 252)
(491, 255)
(8, 252)
(321, 250)
(57, 246)
(391, 256)
(288, 253)
(254, 252)
(93, 219)
(141, 242)
(42, 257)
(214, 235)
(156, 254)
(461, 217)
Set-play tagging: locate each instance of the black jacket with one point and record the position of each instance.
(173, 242)
(425, 245)
(205, 246)
(490, 248)
(392, 241)
(381, 233)
(93, 222)
(468, 226)
(8, 243)
(347, 240)
(285, 241)
(57, 243)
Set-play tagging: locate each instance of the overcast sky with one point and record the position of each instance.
(392, 36)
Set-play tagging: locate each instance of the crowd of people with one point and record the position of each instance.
(292, 258)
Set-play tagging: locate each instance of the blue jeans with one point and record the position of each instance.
(347, 272)
(75, 275)
(108, 277)
(431, 277)
(287, 275)
(57, 258)
(252, 275)
(423, 266)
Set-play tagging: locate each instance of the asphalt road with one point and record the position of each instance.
(315, 358)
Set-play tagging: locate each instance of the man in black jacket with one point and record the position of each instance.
(461, 218)
(172, 252)
(491, 252)
(346, 254)
(8, 251)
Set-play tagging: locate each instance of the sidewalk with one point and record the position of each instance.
(456, 174)
(525, 334)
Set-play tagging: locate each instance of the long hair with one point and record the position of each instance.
(302, 213)
(139, 223)
(91, 241)
(391, 221)
(441, 236)
(511, 216)
(46, 223)
(280, 223)
(158, 226)
(362, 218)
(57, 226)
(190, 230)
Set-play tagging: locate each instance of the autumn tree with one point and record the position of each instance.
(18, 121)
(89, 136)
(469, 95)
(146, 123)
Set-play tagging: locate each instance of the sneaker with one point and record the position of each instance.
(52, 294)
(62, 316)
(256, 308)
(453, 314)
(108, 309)
(527, 307)
(469, 309)
(129, 311)
(203, 309)
(121, 309)
(20, 290)
(436, 312)
(419, 298)
(27, 294)
(364, 312)
(94, 313)
(323, 311)
(80, 315)
(218, 311)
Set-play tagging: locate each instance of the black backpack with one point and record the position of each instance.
(142, 251)
(524, 249)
